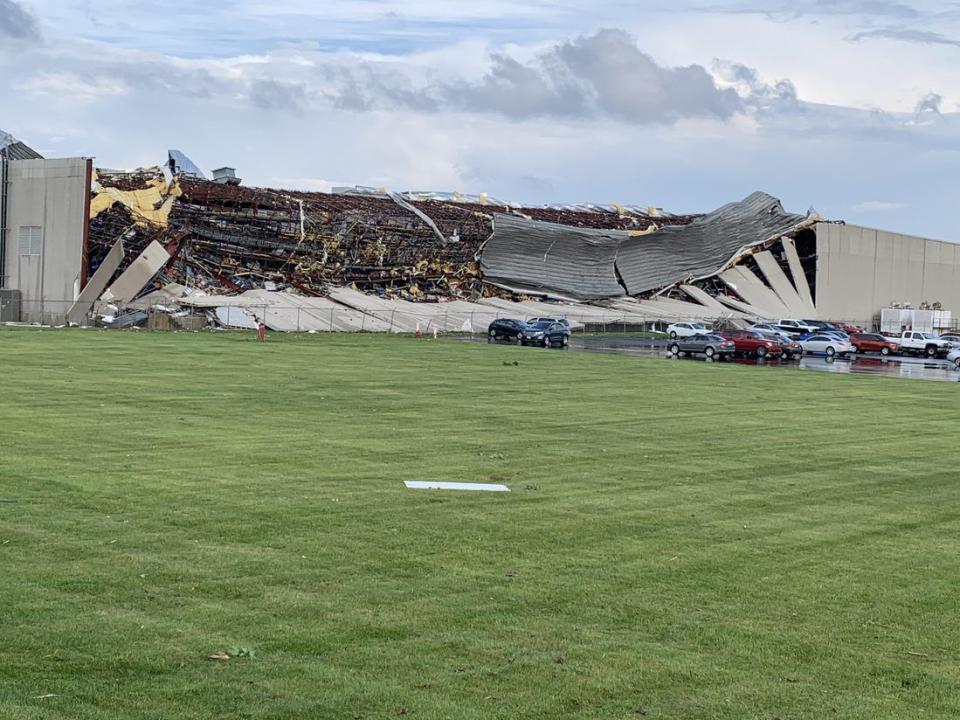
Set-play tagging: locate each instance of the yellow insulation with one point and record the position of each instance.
(152, 204)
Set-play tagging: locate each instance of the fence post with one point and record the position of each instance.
(298, 318)
(392, 313)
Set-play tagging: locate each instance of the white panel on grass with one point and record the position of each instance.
(487, 487)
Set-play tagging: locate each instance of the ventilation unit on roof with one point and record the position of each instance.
(226, 176)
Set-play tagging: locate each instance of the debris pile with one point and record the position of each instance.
(227, 239)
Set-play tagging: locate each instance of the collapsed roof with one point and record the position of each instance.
(232, 238)
(149, 230)
(13, 149)
(590, 264)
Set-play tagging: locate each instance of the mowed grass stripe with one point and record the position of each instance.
(690, 540)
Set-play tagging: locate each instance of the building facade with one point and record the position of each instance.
(44, 210)
(861, 271)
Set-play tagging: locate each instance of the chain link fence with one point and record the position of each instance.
(322, 315)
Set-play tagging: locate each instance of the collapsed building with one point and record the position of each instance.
(170, 245)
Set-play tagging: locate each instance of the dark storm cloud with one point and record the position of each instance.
(602, 75)
(16, 22)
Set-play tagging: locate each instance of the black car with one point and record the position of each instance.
(709, 345)
(547, 333)
(506, 328)
(562, 321)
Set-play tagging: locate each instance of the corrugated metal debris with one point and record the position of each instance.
(704, 246)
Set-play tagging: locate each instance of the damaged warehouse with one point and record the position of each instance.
(168, 245)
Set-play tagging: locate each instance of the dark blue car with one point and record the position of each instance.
(546, 333)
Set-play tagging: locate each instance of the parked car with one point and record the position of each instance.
(954, 357)
(821, 324)
(923, 343)
(872, 342)
(839, 334)
(507, 328)
(686, 329)
(827, 344)
(851, 329)
(767, 328)
(796, 327)
(749, 342)
(709, 345)
(562, 321)
(789, 349)
(546, 333)
(952, 338)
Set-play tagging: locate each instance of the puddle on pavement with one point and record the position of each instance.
(899, 367)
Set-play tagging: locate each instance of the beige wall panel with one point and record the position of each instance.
(782, 286)
(854, 282)
(51, 195)
(796, 271)
(754, 292)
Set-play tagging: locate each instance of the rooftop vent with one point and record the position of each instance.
(226, 176)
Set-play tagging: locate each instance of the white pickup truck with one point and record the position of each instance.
(923, 343)
(796, 327)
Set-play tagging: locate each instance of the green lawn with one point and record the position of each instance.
(683, 540)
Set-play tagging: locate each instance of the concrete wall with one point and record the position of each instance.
(51, 195)
(861, 271)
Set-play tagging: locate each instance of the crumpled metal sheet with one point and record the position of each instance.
(583, 264)
(560, 260)
(703, 247)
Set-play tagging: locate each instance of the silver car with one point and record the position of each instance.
(828, 345)
(954, 357)
(709, 345)
(771, 329)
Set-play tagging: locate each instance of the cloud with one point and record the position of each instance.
(274, 94)
(601, 75)
(781, 96)
(72, 87)
(876, 206)
(16, 22)
(924, 37)
(799, 8)
(929, 103)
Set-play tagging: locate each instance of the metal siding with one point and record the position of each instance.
(583, 263)
(796, 271)
(77, 314)
(708, 301)
(552, 259)
(141, 271)
(703, 247)
(781, 285)
(753, 293)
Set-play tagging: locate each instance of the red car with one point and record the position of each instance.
(748, 342)
(872, 342)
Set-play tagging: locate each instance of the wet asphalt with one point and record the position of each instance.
(905, 367)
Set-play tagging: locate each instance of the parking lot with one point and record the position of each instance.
(900, 367)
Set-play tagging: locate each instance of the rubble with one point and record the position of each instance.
(368, 260)
(231, 238)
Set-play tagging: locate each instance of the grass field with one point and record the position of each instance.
(683, 540)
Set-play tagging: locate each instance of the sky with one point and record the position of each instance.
(850, 107)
